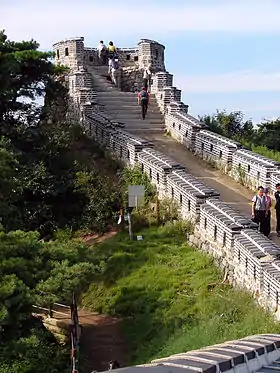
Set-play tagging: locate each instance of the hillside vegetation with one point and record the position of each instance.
(170, 296)
(57, 184)
(54, 181)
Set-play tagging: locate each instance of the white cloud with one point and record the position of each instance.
(238, 81)
(50, 21)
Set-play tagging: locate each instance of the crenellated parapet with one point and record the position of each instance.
(257, 353)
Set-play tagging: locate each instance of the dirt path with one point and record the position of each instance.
(101, 341)
(95, 238)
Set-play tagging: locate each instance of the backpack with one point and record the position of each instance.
(115, 65)
(143, 95)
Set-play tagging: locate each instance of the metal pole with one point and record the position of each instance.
(129, 225)
(129, 221)
(157, 209)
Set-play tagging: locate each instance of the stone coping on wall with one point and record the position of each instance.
(231, 213)
(220, 216)
(214, 137)
(246, 355)
(150, 42)
(165, 161)
(77, 38)
(182, 176)
(187, 118)
(252, 157)
(262, 245)
(273, 269)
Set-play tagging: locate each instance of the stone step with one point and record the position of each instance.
(145, 131)
(137, 121)
(126, 115)
(133, 106)
(116, 93)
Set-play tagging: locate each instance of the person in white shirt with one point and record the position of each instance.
(101, 50)
(147, 77)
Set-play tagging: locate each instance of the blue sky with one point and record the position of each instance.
(224, 54)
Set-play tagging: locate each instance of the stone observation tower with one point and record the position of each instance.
(110, 114)
(72, 53)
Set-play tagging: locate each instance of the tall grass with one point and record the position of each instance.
(170, 296)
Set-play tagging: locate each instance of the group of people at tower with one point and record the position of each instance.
(261, 210)
(109, 56)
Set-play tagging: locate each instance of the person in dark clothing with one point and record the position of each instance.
(268, 202)
(147, 77)
(144, 101)
(277, 208)
(260, 211)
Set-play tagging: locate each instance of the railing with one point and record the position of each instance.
(75, 332)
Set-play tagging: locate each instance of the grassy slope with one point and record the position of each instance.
(161, 288)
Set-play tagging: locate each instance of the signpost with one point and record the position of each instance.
(136, 198)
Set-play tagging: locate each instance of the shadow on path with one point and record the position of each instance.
(101, 341)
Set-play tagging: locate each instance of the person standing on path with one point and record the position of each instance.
(102, 51)
(277, 208)
(260, 211)
(268, 202)
(144, 101)
(114, 70)
(147, 77)
(112, 50)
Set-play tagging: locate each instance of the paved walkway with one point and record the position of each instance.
(231, 192)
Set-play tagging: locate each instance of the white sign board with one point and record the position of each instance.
(136, 195)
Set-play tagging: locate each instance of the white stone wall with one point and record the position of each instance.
(253, 168)
(213, 147)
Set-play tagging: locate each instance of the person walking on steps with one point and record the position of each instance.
(268, 202)
(147, 77)
(102, 52)
(277, 208)
(260, 211)
(144, 101)
(114, 70)
(111, 49)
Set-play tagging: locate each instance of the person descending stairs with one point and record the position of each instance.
(122, 107)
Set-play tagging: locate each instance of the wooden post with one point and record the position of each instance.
(157, 209)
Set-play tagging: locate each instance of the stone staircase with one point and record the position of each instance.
(123, 107)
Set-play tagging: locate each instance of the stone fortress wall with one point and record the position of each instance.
(250, 260)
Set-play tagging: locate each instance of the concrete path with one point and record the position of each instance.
(231, 192)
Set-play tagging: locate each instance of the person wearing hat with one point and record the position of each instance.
(260, 211)
(144, 101)
(268, 202)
